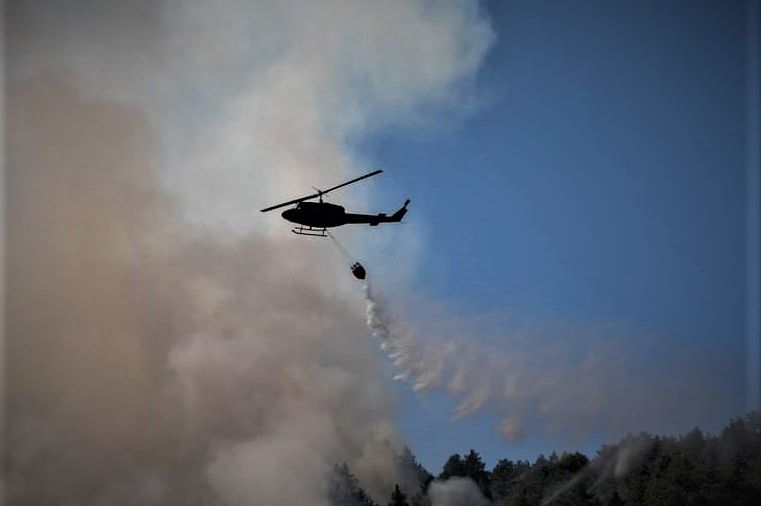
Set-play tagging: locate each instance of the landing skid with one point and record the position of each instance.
(314, 232)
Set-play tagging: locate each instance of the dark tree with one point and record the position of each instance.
(344, 489)
(502, 477)
(409, 466)
(398, 498)
(572, 462)
(475, 469)
(454, 466)
(472, 466)
(364, 499)
(615, 500)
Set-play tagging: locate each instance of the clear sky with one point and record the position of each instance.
(600, 179)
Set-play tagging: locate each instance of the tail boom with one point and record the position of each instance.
(375, 219)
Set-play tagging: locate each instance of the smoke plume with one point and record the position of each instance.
(166, 343)
(456, 492)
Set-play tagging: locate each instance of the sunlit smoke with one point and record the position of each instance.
(167, 343)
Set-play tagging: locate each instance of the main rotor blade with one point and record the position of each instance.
(294, 201)
(360, 178)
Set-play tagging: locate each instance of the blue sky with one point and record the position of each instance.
(600, 180)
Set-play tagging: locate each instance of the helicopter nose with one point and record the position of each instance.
(288, 214)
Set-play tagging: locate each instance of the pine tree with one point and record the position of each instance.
(398, 498)
(502, 476)
(454, 466)
(409, 467)
(475, 469)
(409, 464)
(363, 498)
(344, 489)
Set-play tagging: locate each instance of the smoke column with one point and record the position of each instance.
(167, 343)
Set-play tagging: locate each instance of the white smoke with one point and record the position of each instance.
(456, 492)
(167, 343)
(260, 100)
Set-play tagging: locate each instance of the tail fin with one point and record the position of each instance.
(374, 220)
(397, 216)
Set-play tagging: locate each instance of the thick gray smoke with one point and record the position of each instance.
(568, 382)
(153, 365)
(166, 343)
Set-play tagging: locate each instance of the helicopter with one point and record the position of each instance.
(314, 218)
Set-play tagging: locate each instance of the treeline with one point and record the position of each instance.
(693, 469)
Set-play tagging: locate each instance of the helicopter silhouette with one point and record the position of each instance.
(314, 218)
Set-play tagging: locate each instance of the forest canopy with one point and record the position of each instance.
(695, 468)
